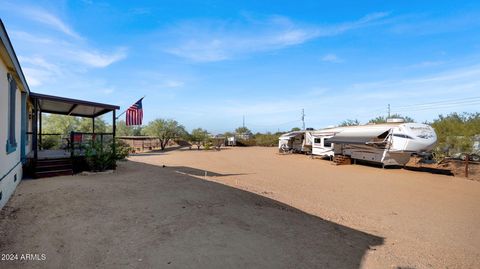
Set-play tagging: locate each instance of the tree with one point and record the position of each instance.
(62, 124)
(199, 137)
(228, 134)
(295, 129)
(59, 124)
(349, 122)
(85, 125)
(381, 119)
(165, 130)
(124, 130)
(455, 132)
(243, 131)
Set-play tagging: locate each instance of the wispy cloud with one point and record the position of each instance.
(426, 64)
(49, 57)
(40, 15)
(332, 58)
(39, 71)
(210, 41)
(98, 59)
(426, 24)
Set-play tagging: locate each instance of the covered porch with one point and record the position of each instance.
(69, 146)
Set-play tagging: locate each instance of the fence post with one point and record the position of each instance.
(467, 157)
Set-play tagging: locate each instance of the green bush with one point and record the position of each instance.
(122, 150)
(208, 145)
(50, 142)
(101, 157)
(266, 140)
(246, 142)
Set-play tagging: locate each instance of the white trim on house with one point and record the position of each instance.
(12, 81)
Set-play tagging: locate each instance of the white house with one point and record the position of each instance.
(21, 126)
(14, 118)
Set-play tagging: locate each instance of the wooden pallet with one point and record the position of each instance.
(342, 160)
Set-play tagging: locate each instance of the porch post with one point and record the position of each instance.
(93, 125)
(34, 129)
(114, 130)
(40, 127)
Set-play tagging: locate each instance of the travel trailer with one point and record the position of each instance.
(391, 143)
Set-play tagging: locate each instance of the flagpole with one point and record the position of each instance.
(127, 109)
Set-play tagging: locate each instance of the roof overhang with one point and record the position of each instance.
(72, 107)
(10, 58)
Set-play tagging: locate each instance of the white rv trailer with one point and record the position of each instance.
(391, 143)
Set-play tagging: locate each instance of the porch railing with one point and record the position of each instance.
(79, 141)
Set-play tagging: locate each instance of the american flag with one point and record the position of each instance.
(135, 114)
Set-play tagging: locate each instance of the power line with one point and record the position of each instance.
(451, 104)
(441, 102)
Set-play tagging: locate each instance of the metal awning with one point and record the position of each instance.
(291, 135)
(361, 136)
(73, 107)
(287, 137)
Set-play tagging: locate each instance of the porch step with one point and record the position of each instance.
(54, 173)
(342, 160)
(53, 167)
(48, 162)
(49, 167)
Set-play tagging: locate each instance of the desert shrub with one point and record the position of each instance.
(455, 133)
(101, 157)
(208, 145)
(122, 150)
(50, 142)
(266, 140)
(246, 142)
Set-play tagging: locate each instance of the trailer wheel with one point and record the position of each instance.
(475, 158)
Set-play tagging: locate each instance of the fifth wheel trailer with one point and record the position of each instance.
(391, 143)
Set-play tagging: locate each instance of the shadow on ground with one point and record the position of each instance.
(146, 216)
(177, 148)
(199, 172)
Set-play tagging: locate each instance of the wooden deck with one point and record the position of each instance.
(54, 154)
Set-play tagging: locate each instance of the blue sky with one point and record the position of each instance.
(208, 63)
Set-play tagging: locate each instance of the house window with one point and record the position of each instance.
(12, 91)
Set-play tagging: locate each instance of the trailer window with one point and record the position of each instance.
(317, 141)
(326, 143)
(403, 136)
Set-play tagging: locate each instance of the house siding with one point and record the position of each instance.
(10, 163)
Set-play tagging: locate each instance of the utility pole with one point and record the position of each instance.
(303, 119)
(388, 110)
(243, 121)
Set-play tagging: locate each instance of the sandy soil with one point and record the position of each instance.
(244, 208)
(427, 220)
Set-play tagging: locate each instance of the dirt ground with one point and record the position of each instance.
(244, 208)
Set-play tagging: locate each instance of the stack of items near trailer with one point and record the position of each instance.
(297, 142)
(391, 143)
